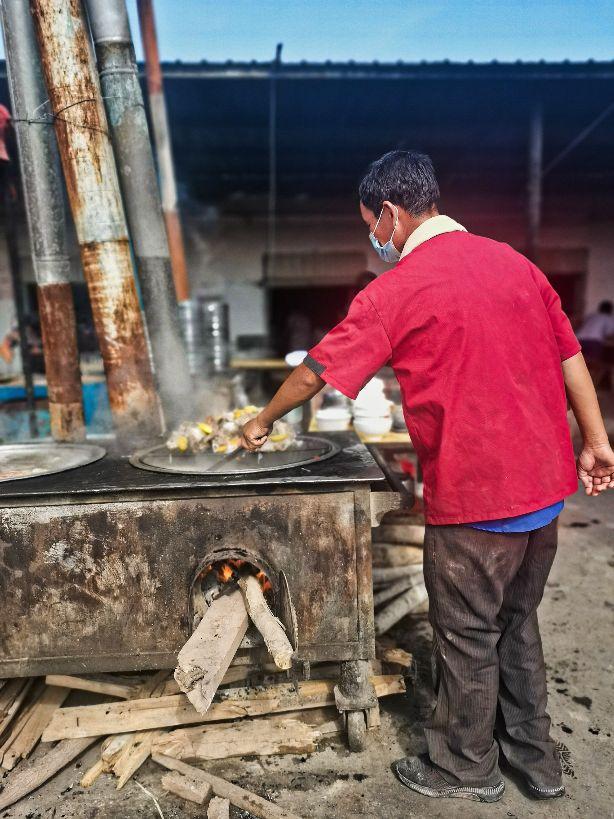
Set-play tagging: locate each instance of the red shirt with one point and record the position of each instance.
(476, 336)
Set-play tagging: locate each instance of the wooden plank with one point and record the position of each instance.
(218, 808)
(20, 720)
(254, 737)
(39, 717)
(110, 751)
(15, 698)
(205, 658)
(256, 805)
(31, 776)
(110, 685)
(273, 632)
(148, 714)
(187, 787)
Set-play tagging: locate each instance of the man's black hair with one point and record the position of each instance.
(405, 178)
(605, 306)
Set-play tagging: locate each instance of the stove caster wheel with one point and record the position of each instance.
(357, 730)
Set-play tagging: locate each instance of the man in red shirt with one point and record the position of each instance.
(485, 357)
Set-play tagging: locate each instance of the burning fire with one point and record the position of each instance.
(233, 568)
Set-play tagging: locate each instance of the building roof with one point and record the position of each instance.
(332, 119)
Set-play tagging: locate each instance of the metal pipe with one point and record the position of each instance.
(271, 239)
(94, 195)
(162, 139)
(137, 175)
(41, 180)
(534, 181)
(10, 204)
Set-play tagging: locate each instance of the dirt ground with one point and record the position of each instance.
(577, 626)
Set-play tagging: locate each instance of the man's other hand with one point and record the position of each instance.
(254, 434)
(596, 468)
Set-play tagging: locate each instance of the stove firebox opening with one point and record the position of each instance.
(220, 573)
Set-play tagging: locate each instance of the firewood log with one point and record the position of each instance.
(265, 621)
(387, 574)
(394, 590)
(404, 604)
(396, 554)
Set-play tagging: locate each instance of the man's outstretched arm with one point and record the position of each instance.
(300, 386)
(596, 461)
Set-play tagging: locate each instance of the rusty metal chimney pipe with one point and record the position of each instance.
(40, 176)
(162, 138)
(93, 191)
(137, 174)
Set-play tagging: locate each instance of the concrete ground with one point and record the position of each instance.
(577, 626)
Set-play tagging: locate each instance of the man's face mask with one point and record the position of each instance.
(387, 252)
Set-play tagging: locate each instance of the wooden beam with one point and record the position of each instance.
(256, 805)
(273, 633)
(205, 658)
(148, 714)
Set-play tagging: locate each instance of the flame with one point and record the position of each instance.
(265, 583)
(230, 569)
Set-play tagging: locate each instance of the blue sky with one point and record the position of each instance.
(385, 31)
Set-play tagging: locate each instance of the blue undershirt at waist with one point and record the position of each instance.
(522, 523)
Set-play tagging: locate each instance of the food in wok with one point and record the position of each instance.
(222, 434)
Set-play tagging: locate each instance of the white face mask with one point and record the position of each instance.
(387, 252)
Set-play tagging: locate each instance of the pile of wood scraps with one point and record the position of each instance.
(398, 580)
(218, 705)
(143, 716)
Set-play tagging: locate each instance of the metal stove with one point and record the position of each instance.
(98, 565)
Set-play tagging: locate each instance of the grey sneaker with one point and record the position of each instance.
(417, 773)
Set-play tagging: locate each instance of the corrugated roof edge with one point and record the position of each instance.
(444, 69)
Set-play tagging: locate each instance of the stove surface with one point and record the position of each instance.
(114, 473)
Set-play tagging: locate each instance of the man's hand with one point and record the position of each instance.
(596, 468)
(254, 434)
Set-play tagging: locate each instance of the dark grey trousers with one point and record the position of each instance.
(484, 589)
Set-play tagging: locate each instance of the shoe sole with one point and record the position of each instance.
(476, 794)
(539, 793)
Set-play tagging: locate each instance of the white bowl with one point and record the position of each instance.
(373, 426)
(332, 419)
